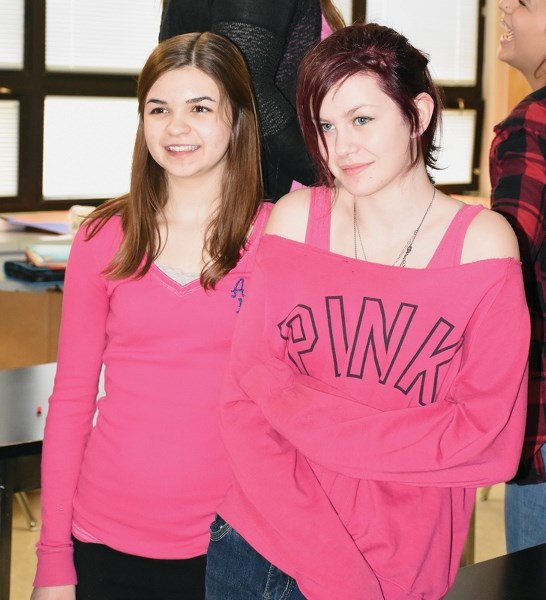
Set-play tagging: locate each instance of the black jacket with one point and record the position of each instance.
(273, 37)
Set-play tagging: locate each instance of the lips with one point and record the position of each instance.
(354, 169)
(508, 34)
(185, 148)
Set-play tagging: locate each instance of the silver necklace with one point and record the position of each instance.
(408, 246)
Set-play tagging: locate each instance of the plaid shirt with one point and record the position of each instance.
(518, 179)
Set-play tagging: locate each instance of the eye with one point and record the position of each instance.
(158, 110)
(362, 120)
(199, 108)
(326, 127)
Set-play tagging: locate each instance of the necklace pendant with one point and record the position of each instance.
(409, 244)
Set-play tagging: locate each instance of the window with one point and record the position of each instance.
(9, 147)
(82, 158)
(452, 35)
(68, 112)
(11, 40)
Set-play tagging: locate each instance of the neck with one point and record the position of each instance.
(386, 249)
(191, 200)
(536, 82)
(392, 206)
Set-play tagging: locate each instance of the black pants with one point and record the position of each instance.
(106, 574)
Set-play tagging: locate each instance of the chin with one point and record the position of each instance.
(360, 190)
(353, 186)
(505, 55)
(501, 54)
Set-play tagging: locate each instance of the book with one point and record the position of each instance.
(52, 256)
(22, 271)
(54, 221)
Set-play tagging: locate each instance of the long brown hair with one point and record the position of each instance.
(242, 191)
(332, 15)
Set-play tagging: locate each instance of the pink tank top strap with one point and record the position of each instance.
(318, 223)
(449, 250)
(256, 233)
(261, 219)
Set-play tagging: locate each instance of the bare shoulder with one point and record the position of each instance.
(289, 215)
(489, 236)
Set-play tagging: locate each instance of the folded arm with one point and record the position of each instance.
(473, 437)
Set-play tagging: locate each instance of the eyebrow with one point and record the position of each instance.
(189, 101)
(199, 99)
(352, 111)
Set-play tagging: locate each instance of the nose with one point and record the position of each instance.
(344, 143)
(178, 124)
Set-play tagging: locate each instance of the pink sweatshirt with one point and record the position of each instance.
(149, 476)
(364, 405)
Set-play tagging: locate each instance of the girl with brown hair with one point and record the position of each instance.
(153, 287)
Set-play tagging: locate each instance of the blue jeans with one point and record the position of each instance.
(235, 571)
(525, 514)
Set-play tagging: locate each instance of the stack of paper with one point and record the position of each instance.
(52, 256)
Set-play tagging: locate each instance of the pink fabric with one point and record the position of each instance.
(325, 30)
(318, 222)
(364, 405)
(148, 478)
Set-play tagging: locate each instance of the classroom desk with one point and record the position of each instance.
(21, 432)
(516, 576)
(30, 313)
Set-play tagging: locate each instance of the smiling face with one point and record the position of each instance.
(186, 127)
(367, 139)
(523, 44)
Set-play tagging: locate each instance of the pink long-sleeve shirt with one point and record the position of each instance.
(148, 477)
(364, 405)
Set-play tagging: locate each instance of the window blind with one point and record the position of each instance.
(12, 17)
(9, 147)
(101, 36)
(456, 147)
(446, 31)
(88, 146)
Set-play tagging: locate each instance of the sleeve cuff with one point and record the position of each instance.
(55, 567)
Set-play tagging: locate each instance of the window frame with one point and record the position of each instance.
(33, 83)
(457, 97)
(29, 87)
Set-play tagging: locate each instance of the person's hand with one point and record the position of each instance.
(55, 592)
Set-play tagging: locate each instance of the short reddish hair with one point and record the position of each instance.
(401, 71)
